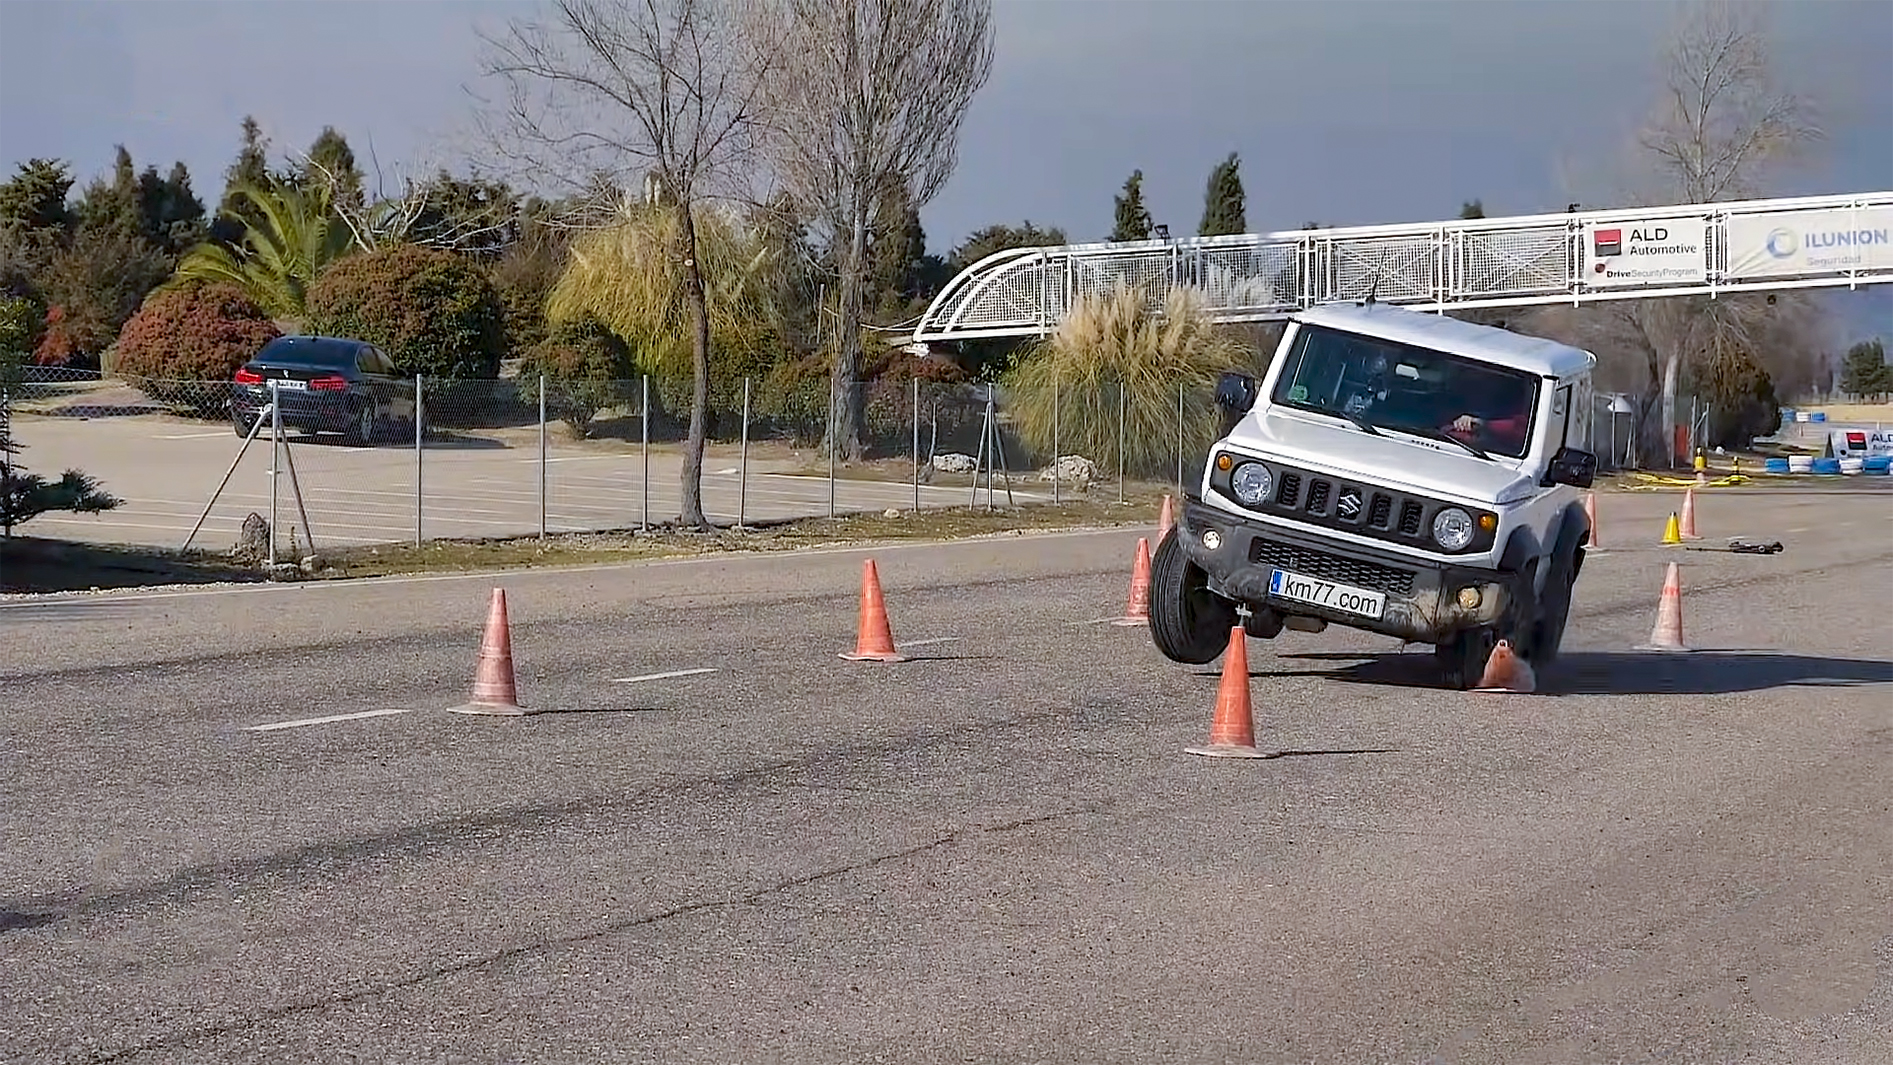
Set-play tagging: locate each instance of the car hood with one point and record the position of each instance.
(1423, 466)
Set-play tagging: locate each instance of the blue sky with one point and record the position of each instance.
(1344, 111)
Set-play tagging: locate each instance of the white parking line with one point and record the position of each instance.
(274, 725)
(191, 436)
(663, 676)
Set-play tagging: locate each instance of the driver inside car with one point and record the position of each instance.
(1506, 416)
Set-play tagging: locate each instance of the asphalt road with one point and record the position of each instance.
(167, 471)
(995, 852)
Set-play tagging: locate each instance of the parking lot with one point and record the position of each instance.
(166, 470)
(243, 827)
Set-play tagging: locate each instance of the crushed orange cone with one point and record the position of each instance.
(1137, 611)
(1232, 731)
(874, 639)
(1672, 532)
(1688, 527)
(1166, 520)
(1590, 513)
(1506, 672)
(1667, 633)
(494, 690)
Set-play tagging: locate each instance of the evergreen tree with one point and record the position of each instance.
(1864, 371)
(251, 168)
(1223, 201)
(898, 264)
(1133, 218)
(1472, 209)
(35, 197)
(173, 216)
(332, 162)
(112, 207)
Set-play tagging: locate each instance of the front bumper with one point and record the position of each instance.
(1422, 603)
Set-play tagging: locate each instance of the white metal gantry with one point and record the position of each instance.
(1586, 256)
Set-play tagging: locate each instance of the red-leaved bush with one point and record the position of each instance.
(183, 339)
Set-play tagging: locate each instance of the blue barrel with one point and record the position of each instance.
(1787, 414)
(1775, 465)
(1880, 464)
(1818, 416)
(1824, 466)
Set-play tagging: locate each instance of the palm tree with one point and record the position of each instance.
(296, 233)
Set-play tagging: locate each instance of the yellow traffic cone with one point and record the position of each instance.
(1672, 532)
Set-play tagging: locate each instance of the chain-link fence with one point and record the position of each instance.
(214, 464)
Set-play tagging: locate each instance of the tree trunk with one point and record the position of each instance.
(845, 379)
(1671, 365)
(692, 475)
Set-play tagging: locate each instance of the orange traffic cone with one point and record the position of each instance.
(1137, 612)
(494, 691)
(1590, 512)
(1166, 520)
(874, 640)
(1506, 672)
(1667, 634)
(1232, 732)
(1688, 529)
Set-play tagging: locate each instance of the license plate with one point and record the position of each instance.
(1342, 597)
(290, 384)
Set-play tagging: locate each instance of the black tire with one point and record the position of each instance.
(1188, 622)
(242, 426)
(365, 427)
(1554, 610)
(1462, 661)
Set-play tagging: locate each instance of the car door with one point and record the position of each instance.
(399, 390)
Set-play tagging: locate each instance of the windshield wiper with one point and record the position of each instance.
(1361, 423)
(1435, 434)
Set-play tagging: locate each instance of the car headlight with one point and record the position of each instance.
(1252, 482)
(1452, 528)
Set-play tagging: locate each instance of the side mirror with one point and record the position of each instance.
(1571, 466)
(1235, 395)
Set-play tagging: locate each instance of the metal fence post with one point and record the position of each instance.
(742, 465)
(1181, 385)
(916, 443)
(542, 455)
(1122, 399)
(644, 406)
(420, 418)
(1057, 494)
(275, 455)
(830, 436)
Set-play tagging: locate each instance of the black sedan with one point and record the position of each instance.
(327, 384)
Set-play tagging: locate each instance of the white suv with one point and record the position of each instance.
(1395, 471)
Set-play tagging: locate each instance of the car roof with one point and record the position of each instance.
(1502, 347)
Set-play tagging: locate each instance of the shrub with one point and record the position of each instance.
(1116, 346)
(585, 365)
(183, 338)
(433, 312)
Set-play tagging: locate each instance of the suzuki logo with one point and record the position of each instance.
(1349, 505)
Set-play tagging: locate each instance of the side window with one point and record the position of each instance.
(365, 360)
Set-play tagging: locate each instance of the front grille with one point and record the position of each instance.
(1308, 562)
(1290, 491)
(1381, 510)
(1318, 496)
(1410, 518)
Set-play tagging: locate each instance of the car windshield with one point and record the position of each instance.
(1375, 382)
(306, 351)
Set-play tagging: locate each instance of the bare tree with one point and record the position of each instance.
(605, 94)
(869, 96)
(1722, 126)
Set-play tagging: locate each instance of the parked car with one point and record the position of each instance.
(327, 384)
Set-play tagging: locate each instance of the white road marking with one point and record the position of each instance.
(925, 642)
(1801, 529)
(190, 436)
(274, 725)
(664, 676)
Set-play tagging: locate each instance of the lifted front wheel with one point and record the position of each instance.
(1188, 622)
